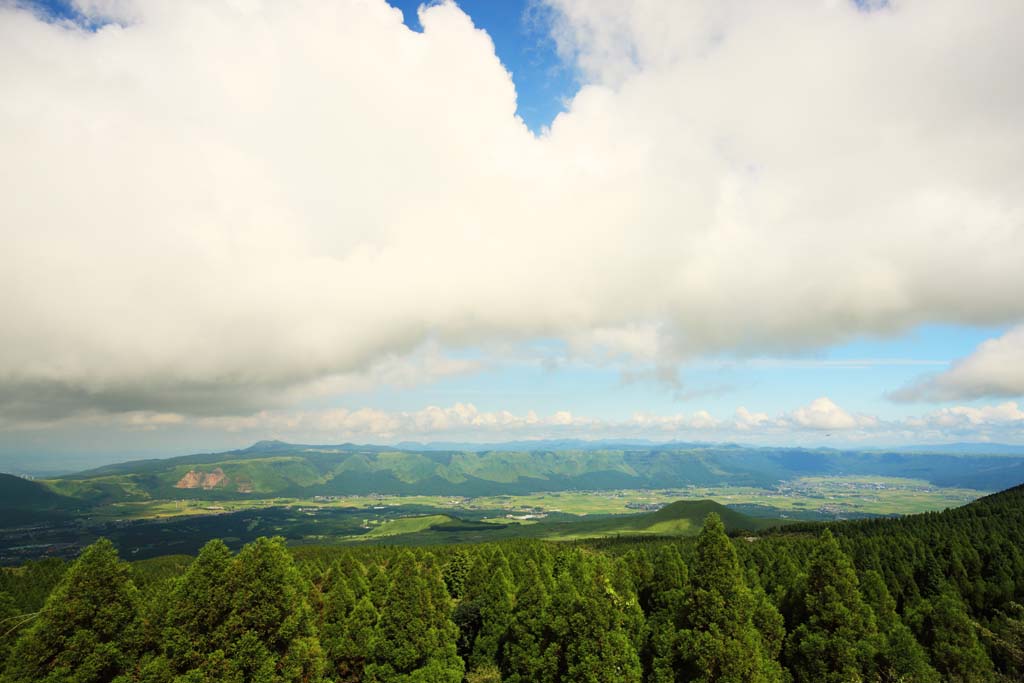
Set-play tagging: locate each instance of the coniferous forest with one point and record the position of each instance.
(931, 597)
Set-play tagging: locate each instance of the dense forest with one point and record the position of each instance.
(932, 597)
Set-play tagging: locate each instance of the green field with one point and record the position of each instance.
(151, 527)
(681, 518)
(405, 525)
(829, 496)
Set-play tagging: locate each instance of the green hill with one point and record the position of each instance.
(25, 502)
(406, 525)
(275, 469)
(24, 494)
(681, 518)
(422, 525)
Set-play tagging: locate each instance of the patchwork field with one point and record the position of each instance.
(153, 527)
(824, 497)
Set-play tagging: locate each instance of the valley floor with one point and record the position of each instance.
(156, 527)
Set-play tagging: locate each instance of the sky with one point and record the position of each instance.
(327, 221)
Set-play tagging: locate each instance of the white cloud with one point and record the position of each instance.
(217, 206)
(747, 420)
(972, 418)
(821, 421)
(823, 414)
(995, 369)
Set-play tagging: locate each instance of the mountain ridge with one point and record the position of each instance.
(274, 468)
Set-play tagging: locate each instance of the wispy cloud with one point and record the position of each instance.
(850, 363)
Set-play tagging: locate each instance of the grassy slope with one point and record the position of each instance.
(406, 525)
(682, 518)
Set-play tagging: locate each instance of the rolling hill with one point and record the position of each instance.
(26, 502)
(24, 494)
(681, 518)
(273, 469)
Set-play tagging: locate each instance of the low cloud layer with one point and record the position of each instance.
(821, 422)
(214, 208)
(995, 369)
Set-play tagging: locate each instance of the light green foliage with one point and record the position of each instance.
(488, 673)
(455, 572)
(406, 525)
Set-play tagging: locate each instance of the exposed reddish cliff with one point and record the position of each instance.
(202, 480)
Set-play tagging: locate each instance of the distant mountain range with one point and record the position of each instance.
(53, 465)
(969, 448)
(274, 468)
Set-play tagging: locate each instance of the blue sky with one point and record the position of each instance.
(544, 82)
(857, 375)
(236, 221)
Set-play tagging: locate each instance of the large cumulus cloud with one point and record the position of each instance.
(208, 206)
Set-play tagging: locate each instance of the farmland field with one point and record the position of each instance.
(153, 527)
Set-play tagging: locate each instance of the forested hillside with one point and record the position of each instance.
(934, 597)
(280, 469)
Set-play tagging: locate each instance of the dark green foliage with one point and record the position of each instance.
(18, 495)
(30, 585)
(415, 637)
(589, 639)
(86, 632)
(348, 624)
(527, 655)
(10, 618)
(270, 631)
(718, 639)
(951, 636)
(198, 607)
(899, 657)
(837, 639)
(489, 594)
(1005, 639)
(239, 618)
(930, 598)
